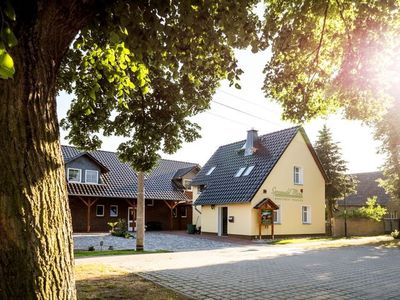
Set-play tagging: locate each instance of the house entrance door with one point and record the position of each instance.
(222, 221)
(131, 218)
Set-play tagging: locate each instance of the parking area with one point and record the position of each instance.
(265, 271)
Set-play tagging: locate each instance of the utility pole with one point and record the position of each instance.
(140, 213)
(345, 218)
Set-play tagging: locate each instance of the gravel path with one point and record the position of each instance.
(153, 241)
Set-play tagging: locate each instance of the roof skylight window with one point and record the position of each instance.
(210, 171)
(248, 170)
(239, 173)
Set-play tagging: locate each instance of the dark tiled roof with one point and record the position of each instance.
(182, 172)
(121, 180)
(367, 187)
(221, 185)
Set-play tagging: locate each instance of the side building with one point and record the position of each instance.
(265, 185)
(368, 187)
(102, 189)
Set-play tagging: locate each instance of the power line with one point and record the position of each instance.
(246, 113)
(228, 119)
(247, 101)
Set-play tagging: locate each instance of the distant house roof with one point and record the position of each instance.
(121, 180)
(221, 184)
(182, 172)
(367, 187)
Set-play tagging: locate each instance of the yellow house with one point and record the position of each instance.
(269, 184)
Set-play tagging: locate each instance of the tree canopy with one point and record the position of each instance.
(140, 70)
(330, 55)
(387, 131)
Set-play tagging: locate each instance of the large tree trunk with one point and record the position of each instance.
(36, 249)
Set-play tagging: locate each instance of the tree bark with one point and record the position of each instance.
(329, 216)
(140, 213)
(36, 252)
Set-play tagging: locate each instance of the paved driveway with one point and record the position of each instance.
(265, 272)
(153, 241)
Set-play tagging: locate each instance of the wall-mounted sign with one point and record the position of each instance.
(291, 194)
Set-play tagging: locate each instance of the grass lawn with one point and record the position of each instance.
(101, 282)
(339, 242)
(85, 253)
(302, 240)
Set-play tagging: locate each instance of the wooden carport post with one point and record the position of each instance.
(89, 203)
(171, 208)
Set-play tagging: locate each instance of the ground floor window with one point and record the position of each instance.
(99, 210)
(306, 214)
(175, 212)
(183, 212)
(277, 215)
(113, 210)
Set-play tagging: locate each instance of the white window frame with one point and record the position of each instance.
(113, 215)
(97, 176)
(210, 171)
(278, 213)
(240, 172)
(150, 203)
(308, 221)
(300, 174)
(175, 212)
(80, 175)
(98, 215)
(190, 185)
(185, 209)
(248, 170)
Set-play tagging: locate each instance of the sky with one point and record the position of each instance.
(234, 111)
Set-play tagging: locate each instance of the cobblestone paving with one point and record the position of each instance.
(265, 272)
(153, 241)
(347, 273)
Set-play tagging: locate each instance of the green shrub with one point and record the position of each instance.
(371, 211)
(395, 234)
(120, 229)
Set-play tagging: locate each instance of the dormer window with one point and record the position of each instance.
(74, 175)
(91, 176)
(210, 171)
(187, 183)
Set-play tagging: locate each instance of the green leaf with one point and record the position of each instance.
(6, 66)
(9, 11)
(10, 37)
(92, 94)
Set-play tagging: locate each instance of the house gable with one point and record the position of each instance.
(279, 186)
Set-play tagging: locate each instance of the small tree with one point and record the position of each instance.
(339, 183)
(372, 210)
